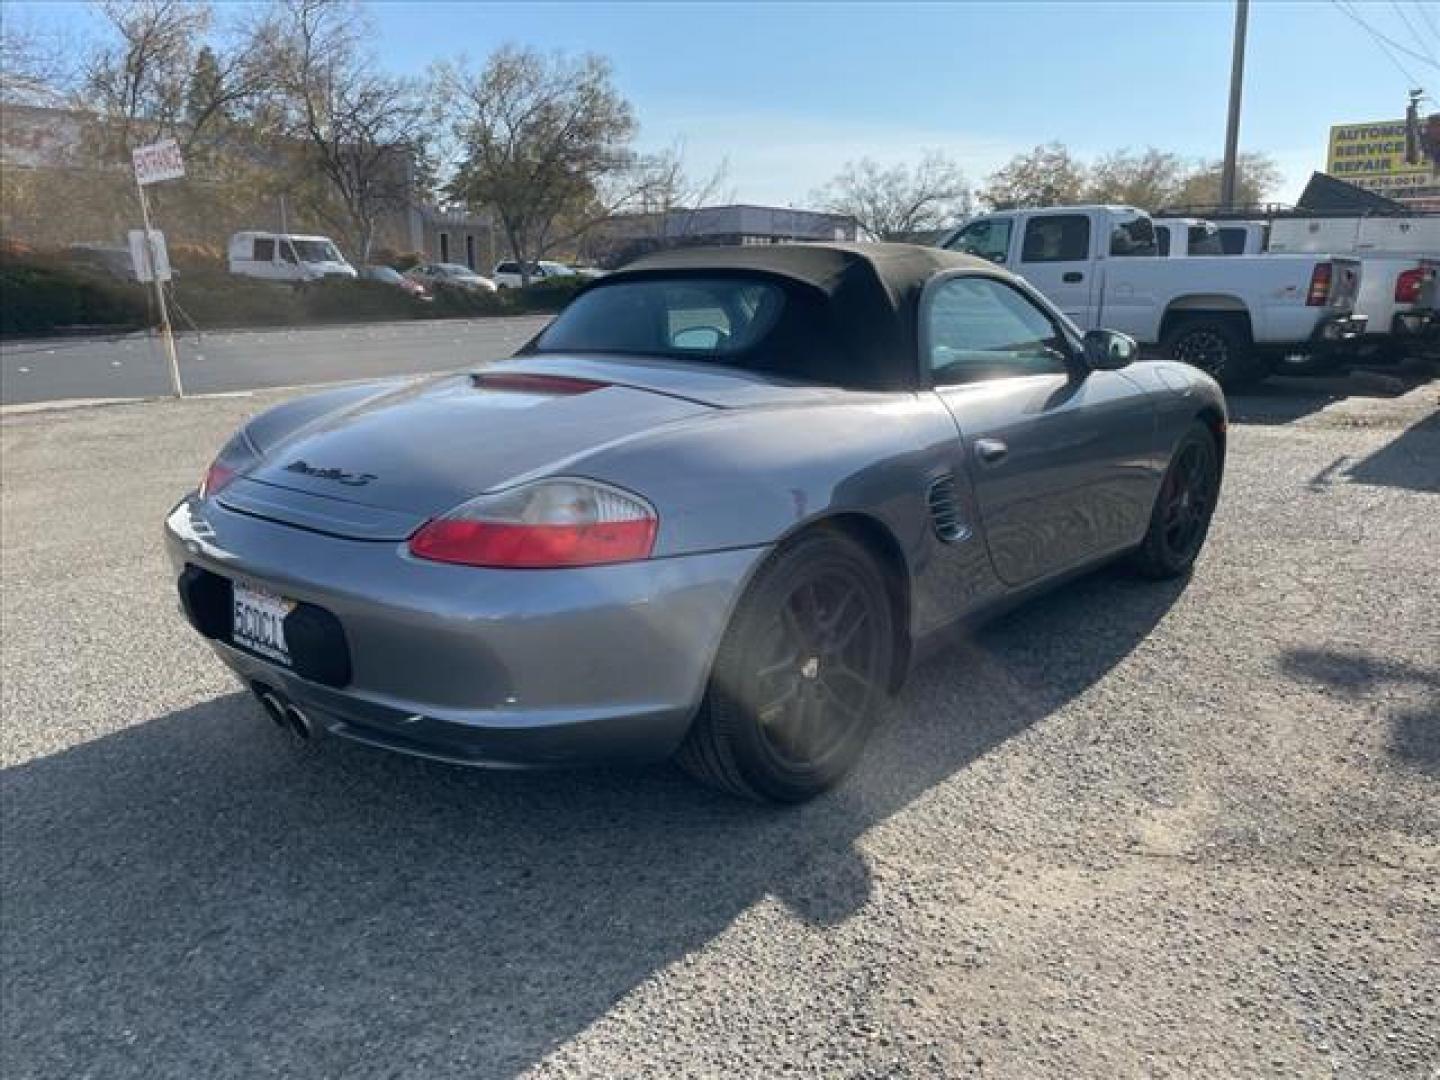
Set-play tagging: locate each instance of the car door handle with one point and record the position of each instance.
(1072, 277)
(990, 450)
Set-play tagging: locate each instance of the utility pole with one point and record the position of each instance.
(1232, 125)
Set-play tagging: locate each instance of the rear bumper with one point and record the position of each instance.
(491, 667)
(1416, 326)
(1339, 330)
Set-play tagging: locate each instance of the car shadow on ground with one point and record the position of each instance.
(1414, 731)
(1411, 461)
(199, 896)
(1283, 399)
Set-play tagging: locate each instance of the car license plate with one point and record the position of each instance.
(259, 622)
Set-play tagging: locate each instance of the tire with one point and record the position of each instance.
(1219, 346)
(801, 676)
(1180, 519)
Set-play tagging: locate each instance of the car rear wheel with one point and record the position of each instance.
(1180, 519)
(801, 677)
(1220, 347)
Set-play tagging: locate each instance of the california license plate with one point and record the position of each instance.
(259, 622)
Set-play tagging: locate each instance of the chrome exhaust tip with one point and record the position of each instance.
(299, 722)
(272, 704)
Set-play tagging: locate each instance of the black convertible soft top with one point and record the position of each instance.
(868, 297)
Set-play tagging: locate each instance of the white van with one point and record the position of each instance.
(286, 257)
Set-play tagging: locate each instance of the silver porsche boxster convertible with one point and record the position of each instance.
(714, 510)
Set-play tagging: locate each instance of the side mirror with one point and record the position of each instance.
(1109, 350)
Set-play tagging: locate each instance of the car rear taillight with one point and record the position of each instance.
(1320, 277)
(215, 478)
(547, 524)
(235, 456)
(1411, 283)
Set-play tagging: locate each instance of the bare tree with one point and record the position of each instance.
(162, 74)
(1046, 176)
(545, 145)
(897, 203)
(33, 65)
(360, 130)
(1149, 179)
(667, 196)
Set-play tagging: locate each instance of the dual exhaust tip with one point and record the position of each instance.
(286, 715)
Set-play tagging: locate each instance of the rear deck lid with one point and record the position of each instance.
(379, 470)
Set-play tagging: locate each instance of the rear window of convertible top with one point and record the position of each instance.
(699, 317)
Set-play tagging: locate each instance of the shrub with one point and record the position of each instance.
(454, 302)
(344, 300)
(42, 294)
(548, 295)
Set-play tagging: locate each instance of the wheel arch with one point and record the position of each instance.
(1206, 305)
(1214, 419)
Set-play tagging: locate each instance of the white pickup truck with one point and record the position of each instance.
(1399, 278)
(1232, 316)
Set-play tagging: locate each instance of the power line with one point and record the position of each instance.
(1425, 14)
(1414, 33)
(1380, 41)
(1387, 39)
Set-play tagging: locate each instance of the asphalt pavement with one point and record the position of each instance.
(1133, 829)
(221, 361)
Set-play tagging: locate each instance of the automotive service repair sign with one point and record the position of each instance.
(1372, 156)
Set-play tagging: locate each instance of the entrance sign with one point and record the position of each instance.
(158, 161)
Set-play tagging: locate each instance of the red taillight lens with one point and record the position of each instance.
(1410, 284)
(1320, 277)
(216, 477)
(553, 523)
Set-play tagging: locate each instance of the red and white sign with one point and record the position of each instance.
(158, 161)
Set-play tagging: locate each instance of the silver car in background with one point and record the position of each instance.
(715, 510)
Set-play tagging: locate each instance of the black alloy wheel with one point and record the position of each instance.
(802, 675)
(1180, 519)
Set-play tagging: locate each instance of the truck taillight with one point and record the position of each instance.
(1319, 294)
(1411, 283)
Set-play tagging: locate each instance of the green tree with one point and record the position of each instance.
(1046, 176)
(1256, 176)
(544, 145)
(1149, 179)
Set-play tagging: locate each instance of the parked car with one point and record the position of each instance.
(589, 273)
(1400, 260)
(716, 509)
(388, 275)
(1231, 316)
(453, 275)
(286, 257)
(508, 276)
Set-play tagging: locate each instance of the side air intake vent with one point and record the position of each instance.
(944, 517)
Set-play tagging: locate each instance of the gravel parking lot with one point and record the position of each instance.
(1186, 830)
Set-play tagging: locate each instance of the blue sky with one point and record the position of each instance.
(787, 93)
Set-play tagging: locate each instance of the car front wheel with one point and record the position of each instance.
(801, 677)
